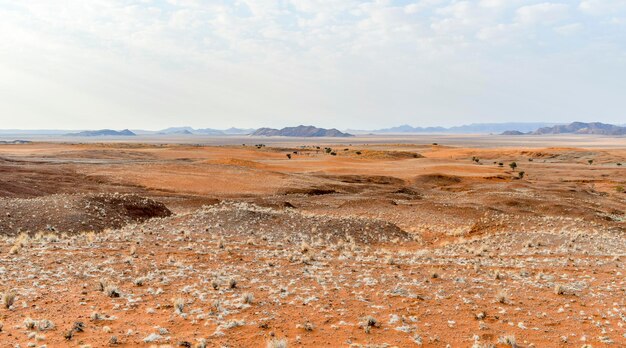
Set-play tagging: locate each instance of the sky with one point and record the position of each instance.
(152, 64)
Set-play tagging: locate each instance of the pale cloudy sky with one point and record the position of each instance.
(335, 63)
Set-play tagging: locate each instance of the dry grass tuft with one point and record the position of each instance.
(8, 299)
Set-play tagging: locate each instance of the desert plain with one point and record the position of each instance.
(433, 241)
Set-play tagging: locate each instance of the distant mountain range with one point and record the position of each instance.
(478, 128)
(575, 128)
(300, 131)
(202, 131)
(102, 132)
(510, 128)
(14, 142)
(583, 128)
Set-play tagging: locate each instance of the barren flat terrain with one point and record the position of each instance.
(376, 241)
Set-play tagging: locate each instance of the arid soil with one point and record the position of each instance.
(381, 245)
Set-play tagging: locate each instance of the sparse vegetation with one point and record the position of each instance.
(277, 343)
(508, 340)
(179, 305)
(247, 298)
(473, 259)
(559, 289)
(503, 297)
(112, 291)
(8, 299)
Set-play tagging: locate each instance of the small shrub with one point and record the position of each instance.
(509, 340)
(277, 343)
(247, 298)
(29, 323)
(102, 284)
(502, 297)
(232, 283)
(45, 324)
(559, 289)
(308, 326)
(513, 165)
(304, 248)
(139, 281)
(368, 323)
(112, 291)
(179, 305)
(8, 299)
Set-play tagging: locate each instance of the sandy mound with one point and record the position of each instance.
(30, 179)
(289, 226)
(437, 180)
(365, 179)
(74, 213)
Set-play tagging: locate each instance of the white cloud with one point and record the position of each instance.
(569, 29)
(262, 62)
(542, 13)
(602, 7)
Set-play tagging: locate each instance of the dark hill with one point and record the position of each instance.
(300, 131)
(583, 128)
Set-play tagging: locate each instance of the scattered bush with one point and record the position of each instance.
(277, 343)
(112, 291)
(559, 289)
(502, 297)
(509, 340)
(368, 323)
(8, 299)
(179, 305)
(247, 298)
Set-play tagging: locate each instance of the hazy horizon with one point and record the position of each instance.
(334, 64)
(147, 129)
(279, 127)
